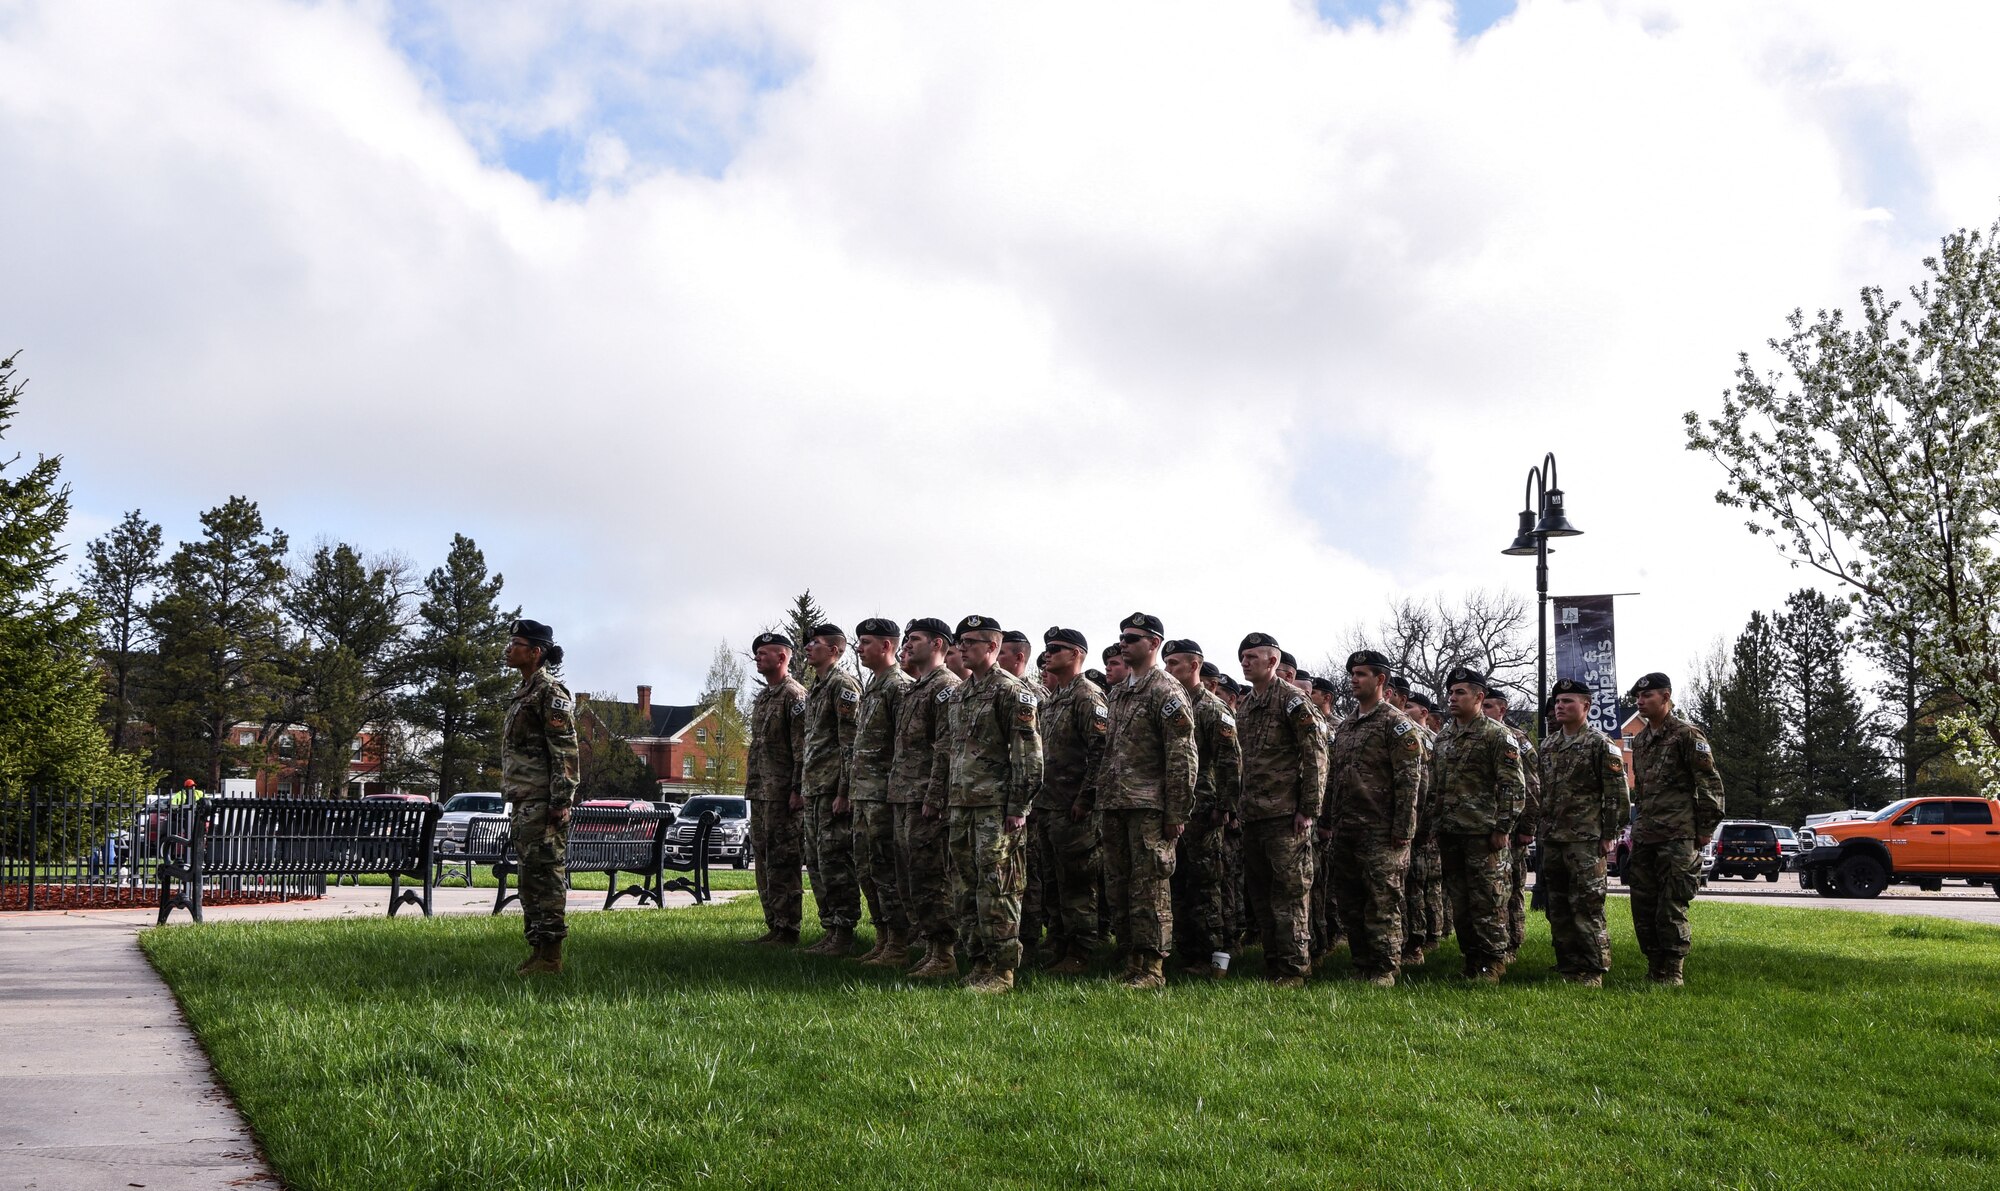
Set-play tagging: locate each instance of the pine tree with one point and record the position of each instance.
(1829, 762)
(801, 619)
(222, 640)
(1746, 727)
(458, 674)
(124, 566)
(351, 616)
(50, 693)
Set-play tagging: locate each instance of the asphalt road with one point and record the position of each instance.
(1956, 900)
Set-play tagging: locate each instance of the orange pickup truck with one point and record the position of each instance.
(1917, 841)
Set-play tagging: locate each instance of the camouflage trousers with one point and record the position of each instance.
(1323, 925)
(1572, 878)
(1065, 858)
(1663, 878)
(987, 877)
(774, 837)
(923, 873)
(1423, 900)
(1236, 900)
(1517, 898)
(1201, 892)
(1368, 873)
(1475, 879)
(1279, 864)
(829, 846)
(1033, 917)
(1437, 906)
(1138, 863)
(542, 848)
(875, 858)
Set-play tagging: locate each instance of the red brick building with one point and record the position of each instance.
(681, 744)
(279, 770)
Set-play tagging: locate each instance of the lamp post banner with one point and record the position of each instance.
(1586, 651)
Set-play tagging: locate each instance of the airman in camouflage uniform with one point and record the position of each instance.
(1495, 709)
(1437, 907)
(1324, 926)
(1481, 793)
(996, 768)
(1419, 929)
(833, 706)
(771, 782)
(538, 776)
(1371, 802)
(1014, 650)
(1678, 794)
(1145, 792)
(918, 783)
(1284, 783)
(1584, 805)
(1075, 722)
(1201, 870)
(873, 757)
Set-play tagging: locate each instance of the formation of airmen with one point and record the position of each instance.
(978, 810)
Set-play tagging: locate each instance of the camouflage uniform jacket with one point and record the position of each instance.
(1376, 767)
(1476, 777)
(1675, 785)
(1531, 773)
(996, 754)
(921, 770)
(1075, 723)
(1583, 788)
(1284, 754)
(1426, 802)
(1149, 761)
(777, 742)
(875, 736)
(538, 756)
(831, 709)
(1218, 782)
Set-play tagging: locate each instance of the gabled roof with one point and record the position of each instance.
(668, 719)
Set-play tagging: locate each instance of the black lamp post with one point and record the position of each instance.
(1541, 520)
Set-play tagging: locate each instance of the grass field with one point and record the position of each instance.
(482, 878)
(1811, 1049)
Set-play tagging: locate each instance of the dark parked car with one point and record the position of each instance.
(1741, 848)
(729, 841)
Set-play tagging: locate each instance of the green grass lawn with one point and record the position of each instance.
(1811, 1049)
(482, 878)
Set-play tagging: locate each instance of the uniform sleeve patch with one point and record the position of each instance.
(1171, 707)
(1228, 721)
(1100, 712)
(561, 704)
(1701, 746)
(1613, 750)
(944, 696)
(799, 708)
(850, 695)
(1402, 726)
(1027, 697)
(1297, 702)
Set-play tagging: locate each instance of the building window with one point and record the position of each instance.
(701, 735)
(708, 767)
(354, 789)
(246, 739)
(284, 789)
(286, 746)
(687, 768)
(356, 751)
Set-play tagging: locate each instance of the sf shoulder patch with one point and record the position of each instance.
(1171, 708)
(850, 695)
(799, 708)
(1613, 750)
(1403, 726)
(1027, 697)
(1297, 702)
(944, 696)
(559, 703)
(1701, 746)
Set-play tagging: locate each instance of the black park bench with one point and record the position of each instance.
(298, 837)
(608, 840)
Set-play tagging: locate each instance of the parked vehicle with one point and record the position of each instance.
(729, 841)
(1914, 841)
(457, 818)
(1788, 842)
(1742, 848)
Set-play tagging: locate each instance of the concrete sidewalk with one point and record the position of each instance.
(102, 1085)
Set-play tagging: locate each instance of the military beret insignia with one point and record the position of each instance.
(1056, 635)
(534, 632)
(1180, 645)
(876, 626)
(1145, 623)
(978, 624)
(831, 632)
(1258, 641)
(1368, 657)
(1467, 676)
(764, 639)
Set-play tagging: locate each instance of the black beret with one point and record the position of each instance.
(1400, 683)
(1110, 651)
(1229, 684)
(1422, 700)
(1325, 686)
(1209, 670)
(764, 639)
(534, 632)
(1144, 623)
(978, 624)
(1569, 686)
(1180, 645)
(1368, 657)
(1305, 676)
(1286, 659)
(1096, 676)
(1258, 641)
(828, 630)
(932, 625)
(1070, 637)
(1469, 676)
(1013, 637)
(875, 626)
(1655, 681)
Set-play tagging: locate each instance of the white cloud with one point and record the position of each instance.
(1048, 313)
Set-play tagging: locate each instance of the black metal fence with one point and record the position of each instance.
(62, 850)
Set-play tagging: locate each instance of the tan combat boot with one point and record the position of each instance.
(940, 960)
(1668, 974)
(1074, 963)
(893, 954)
(547, 958)
(1288, 982)
(1585, 979)
(760, 941)
(782, 939)
(1148, 971)
(1490, 974)
(999, 980)
(1382, 980)
(874, 953)
(838, 941)
(982, 970)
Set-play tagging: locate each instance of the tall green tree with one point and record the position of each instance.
(801, 619)
(222, 643)
(351, 614)
(1912, 705)
(729, 727)
(1830, 763)
(49, 689)
(1746, 727)
(1872, 454)
(459, 681)
(124, 566)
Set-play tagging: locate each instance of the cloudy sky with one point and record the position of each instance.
(1249, 314)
